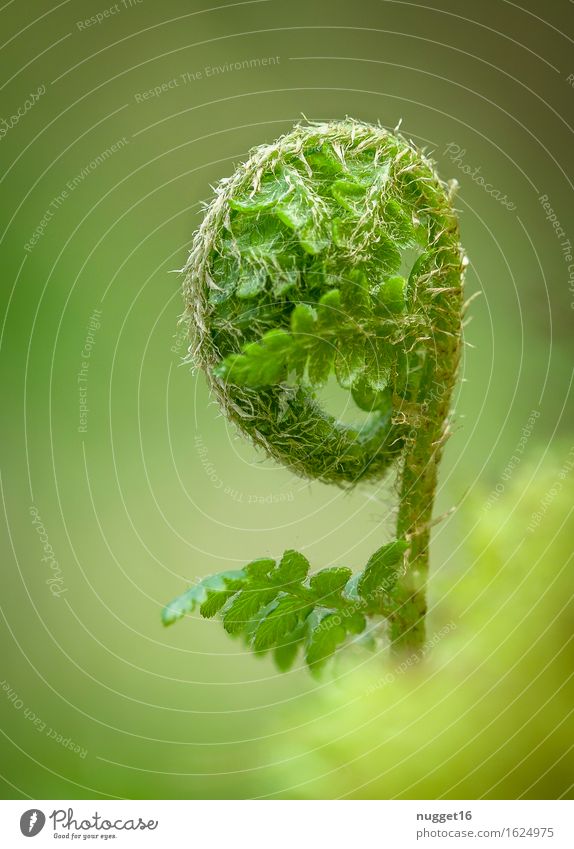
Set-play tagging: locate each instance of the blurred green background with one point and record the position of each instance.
(150, 489)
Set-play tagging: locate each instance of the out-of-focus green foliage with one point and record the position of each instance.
(489, 712)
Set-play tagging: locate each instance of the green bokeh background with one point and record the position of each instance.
(160, 491)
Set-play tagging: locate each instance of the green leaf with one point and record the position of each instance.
(286, 277)
(355, 623)
(277, 606)
(313, 239)
(262, 363)
(329, 313)
(279, 622)
(260, 568)
(350, 592)
(349, 359)
(349, 195)
(225, 274)
(391, 295)
(399, 224)
(284, 283)
(251, 282)
(342, 232)
(295, 210)
(243, 608)
(387, 255)
(379, 357)
(273, 189)
(326, 635)
(214, 601)
(420, 267)
(303, 319)
(355, 297)
(381, 174)
(382, 571)
(184, 603)
(324, 160)
(369, 399)
(292, 569)
(364, 171)
(329, 583)
(262, 234)
(196, 595)
(285, 654)
(321, 274)
(320, 364)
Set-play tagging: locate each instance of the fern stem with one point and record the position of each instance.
(419, 472)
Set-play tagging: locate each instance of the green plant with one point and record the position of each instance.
(334, 250)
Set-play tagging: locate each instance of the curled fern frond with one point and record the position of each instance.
(333, 251)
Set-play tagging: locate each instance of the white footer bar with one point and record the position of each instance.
(282, 824)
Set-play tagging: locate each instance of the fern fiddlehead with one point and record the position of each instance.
(334, 250)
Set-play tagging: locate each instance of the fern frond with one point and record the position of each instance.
(333, 251)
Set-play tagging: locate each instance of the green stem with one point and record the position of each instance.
(418, 486)
(419, 472)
